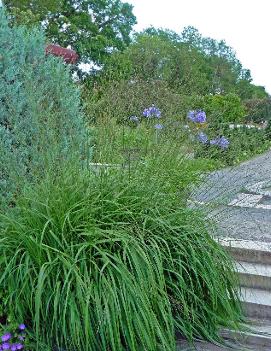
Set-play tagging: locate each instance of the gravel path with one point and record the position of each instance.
(238, 199)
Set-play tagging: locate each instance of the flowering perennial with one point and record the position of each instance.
(200, 117)
(152, 112)
(14, 341)
(197, 116)
(220, 141)
(202, 138)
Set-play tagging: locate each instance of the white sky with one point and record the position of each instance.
(244, 24)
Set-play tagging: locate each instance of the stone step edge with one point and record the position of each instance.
(261, 297)
(256, 303)
(246, 250)
(247, 337)
(254, 269)
(254, 275)
(238, 340)
(244, 244)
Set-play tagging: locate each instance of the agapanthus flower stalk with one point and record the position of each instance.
(221, 142)
(197, 116)
(202, 138)
(152, 112)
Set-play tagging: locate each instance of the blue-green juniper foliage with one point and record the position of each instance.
(40, 113)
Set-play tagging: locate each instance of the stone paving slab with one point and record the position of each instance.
(238, 199)
(242, 223)
(255, 246)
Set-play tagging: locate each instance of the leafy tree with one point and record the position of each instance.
(93, 28)
(149, 57)
(188, 64)
(227, 73)
(157, 56)
(247, 90)
(258, 110)
(190, 71)
(162, 33)
(226, 69)
(26, 18)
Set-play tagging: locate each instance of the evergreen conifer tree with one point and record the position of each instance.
(41, 122)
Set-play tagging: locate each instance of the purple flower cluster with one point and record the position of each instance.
(149, 113)
(200, 117)
(197, 116)
(152, 112)
(202, 138)
(220, 141)
(10, 342)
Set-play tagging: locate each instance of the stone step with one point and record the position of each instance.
(207, 346)
(254, 275)
(256, 336)
(255, 333)
(248, 251)
(256, 303)
(253, 264)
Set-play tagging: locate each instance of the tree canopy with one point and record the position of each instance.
(93, 28)
(100, 32)
(188, 62)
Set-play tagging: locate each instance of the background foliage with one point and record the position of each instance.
(93, 28)
(188, 63)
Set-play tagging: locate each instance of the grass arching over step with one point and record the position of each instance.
(115, 262)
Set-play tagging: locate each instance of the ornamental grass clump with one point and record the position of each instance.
(116, 261)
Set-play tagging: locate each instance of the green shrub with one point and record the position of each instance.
(226, 117)
(116, 262)
(244, 143)
(220, 109)
(40, 113)
(258, 110)
(122, 99)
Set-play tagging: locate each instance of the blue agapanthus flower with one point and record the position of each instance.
(191, 115)
(152, 112)
(197, 116)
(158, 126)
(146, 113)
(202, 138)
(221, 142)
(22, 326)
(6, 337)
(201, 117)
